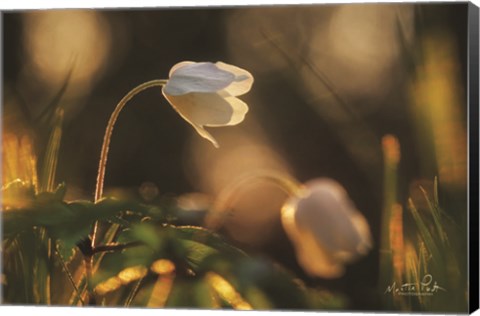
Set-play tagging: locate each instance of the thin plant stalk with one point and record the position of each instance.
(102, 164)
(228, 195)
(391, 156)
(69, 275)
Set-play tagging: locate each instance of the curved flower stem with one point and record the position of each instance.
(228, 195)
(102, 164)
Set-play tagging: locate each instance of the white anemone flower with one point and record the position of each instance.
(325, 228)
(204, 94)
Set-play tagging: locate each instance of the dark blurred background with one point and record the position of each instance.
(330, 82)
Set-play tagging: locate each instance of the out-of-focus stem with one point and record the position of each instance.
(228, 195)
(391, 158)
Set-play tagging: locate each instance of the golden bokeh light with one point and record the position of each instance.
(18, 159)
(132, 274)
(124, 277)
(163, 267)
(397, 242)
(227, 291)
(253, 213)
(108, 286)
(57, 40)
(359, 48)
(391, 149)
(437, 104)
(356, 47)
(161, 291)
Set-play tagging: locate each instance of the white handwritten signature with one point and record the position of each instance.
(426, 287)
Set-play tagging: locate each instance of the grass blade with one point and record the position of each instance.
(51, 154)
(436, 217)
(425, 234)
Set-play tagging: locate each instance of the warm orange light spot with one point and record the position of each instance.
(163, 266)
(3, 279)
(161, 291)
(19, 171)
(132, 274)
(18, 159)
(391, 149)
(438, 103)
(124, 277)
(56, 40)
(227, 291)
(240, 153)
(10, 168)
(361, 43)
(108, 286)
(396, 241)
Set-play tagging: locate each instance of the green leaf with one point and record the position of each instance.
(60, 191)
(66, 249)
(149, 235)
(201, 243)
(67, 221)
(113, 263)
(321, 299)
(278, 288)
(190, 292)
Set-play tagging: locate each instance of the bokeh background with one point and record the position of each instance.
(330, 82)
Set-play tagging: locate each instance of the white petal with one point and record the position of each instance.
(315, 260)
(208, 109)
(365, 243)
(189, 77)
(179, 65)
(331, 217)
(325, 228)
(202, 132)
(311, 256)
(239, 109)
(243, 79)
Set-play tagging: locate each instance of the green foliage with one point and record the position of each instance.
(197, 253)
(144, 237)
(431, 259)
(438, 257)
(69, 221)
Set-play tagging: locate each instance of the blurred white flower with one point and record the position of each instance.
(325, 228)
(204, 94)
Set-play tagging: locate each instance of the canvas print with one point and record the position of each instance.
(299, 157)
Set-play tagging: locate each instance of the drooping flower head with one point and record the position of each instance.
(204, 94)
(325, 228)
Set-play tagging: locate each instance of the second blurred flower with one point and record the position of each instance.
(325, 228)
